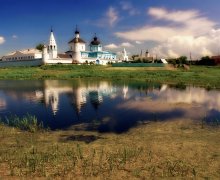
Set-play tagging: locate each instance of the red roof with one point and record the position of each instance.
(63, 56)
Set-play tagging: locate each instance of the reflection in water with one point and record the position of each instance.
(114, 107)
(2, 104)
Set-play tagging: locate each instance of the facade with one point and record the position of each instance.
(50, 53)
(27, 54)
(77, 54)
(95, 55)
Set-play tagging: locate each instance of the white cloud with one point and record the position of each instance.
(14, 36)
(111, 46)
(127, 6)
(176, 16)
(112, 16)
(184, 45)
(185, 31)
(115, 46)
(2, 40)
(126, 44)
(138, 42)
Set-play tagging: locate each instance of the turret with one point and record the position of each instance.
(52, 48)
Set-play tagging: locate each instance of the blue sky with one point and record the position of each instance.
(165, 27)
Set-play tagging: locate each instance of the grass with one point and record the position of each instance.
(26, 123)
(197, 75)
(177, 149)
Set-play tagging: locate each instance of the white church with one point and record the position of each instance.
(77, 53)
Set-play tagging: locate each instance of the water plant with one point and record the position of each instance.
(27, 122)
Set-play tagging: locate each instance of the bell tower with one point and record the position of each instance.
(52, 47)
(76, 56)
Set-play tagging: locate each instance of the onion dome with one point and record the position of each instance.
(95, 41)
(76, 31)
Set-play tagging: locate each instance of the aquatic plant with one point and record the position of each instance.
(26, 123)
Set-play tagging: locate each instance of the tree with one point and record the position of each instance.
(40, 47)
(206, 60)
(182, 60)
(134, 56)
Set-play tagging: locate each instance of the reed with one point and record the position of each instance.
(26, 123)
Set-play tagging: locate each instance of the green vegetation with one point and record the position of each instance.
(178, 149)
(197, 75)
(40, 47)
(26, 123)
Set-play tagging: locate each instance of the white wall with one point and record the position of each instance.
(57, 61)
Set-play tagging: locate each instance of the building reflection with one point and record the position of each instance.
(3, 104)
(79, 93)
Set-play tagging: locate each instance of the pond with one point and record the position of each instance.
(106, 106)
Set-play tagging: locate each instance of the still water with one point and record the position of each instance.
(105, 106)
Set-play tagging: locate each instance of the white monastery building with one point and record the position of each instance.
(77, 52)
(27, 54)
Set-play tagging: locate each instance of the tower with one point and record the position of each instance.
(147, 55)
(77, 46)
(125, 56)
(52, 47)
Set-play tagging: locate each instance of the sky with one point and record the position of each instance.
(166, 28)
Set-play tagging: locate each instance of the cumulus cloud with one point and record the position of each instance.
(126, 44)
(2, 40)
(122, 45)
(184, 31)
(138, 42)
(127, 6)
(112, 16)
(111, 46)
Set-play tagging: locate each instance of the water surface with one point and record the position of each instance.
(105, 106)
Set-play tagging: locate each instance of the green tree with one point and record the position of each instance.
(206, 60)
(134, 56)
(40, 47)
(182, 60)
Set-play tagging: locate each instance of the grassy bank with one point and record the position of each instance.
(180, 148)
(197, 75)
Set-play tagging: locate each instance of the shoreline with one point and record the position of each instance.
(204, 76)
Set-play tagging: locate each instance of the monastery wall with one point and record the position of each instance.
(59, 61)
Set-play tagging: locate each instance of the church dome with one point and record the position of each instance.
(76, 32)
(95, 41)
